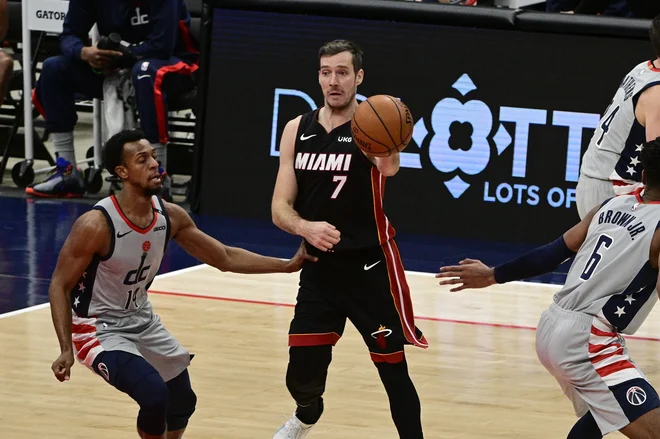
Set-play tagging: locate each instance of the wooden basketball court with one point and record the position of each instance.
(479, 379)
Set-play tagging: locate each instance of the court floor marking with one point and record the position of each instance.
(270, 303)
(46, 305)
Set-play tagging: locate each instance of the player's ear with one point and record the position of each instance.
(360, 76)
(121, 172)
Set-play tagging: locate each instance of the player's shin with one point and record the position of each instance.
(404, 401)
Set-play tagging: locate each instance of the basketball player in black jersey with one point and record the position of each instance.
(329, 192)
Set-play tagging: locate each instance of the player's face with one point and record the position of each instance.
(141, 167)
(338, 80)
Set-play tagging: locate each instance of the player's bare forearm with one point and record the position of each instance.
(243, 261)
(388, 166)
(60, 310)
(286, 218)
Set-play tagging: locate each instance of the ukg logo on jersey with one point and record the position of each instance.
(464, 138)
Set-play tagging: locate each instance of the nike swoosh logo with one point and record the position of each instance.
(143, 76)
(121, 235)
(303, 137)
(369, 267)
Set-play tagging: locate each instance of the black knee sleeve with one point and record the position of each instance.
(152, 395)
(182, 402)
(307, 372)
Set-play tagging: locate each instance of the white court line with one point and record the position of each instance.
(408, 273)
(200, 266)
(24, 310)
(46, 305)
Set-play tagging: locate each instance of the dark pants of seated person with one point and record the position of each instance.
(62, 78)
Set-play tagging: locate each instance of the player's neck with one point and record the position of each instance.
(135, 205)
(651, 195)
(331, 118)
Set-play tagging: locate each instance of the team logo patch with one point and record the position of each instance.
(145, 66)
(103, 370)
(380, 336)
(636, 396)
(146, 246)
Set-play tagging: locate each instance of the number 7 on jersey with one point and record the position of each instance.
(342, 181)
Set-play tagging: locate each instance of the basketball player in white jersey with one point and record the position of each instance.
(98, 292)
(610, 289)
(611, 164)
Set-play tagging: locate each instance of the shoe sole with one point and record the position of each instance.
(31, 191)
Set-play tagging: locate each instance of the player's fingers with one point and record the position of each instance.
(333, 233)
(447, 274)
(461, 288)
(332, 239)
(469, 261)
(451, 281)
(455, 268)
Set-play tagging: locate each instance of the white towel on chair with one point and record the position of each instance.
(119, 102)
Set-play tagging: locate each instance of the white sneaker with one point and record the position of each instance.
(293, 429)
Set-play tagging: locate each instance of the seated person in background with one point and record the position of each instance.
(6, 61)
(161, 53)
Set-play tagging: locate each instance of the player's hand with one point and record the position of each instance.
(98, 58)
(62, 366)
(321, 235)
(470, 273)
(299, 258)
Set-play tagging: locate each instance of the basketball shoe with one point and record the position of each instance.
(66, 181)
(293, 429)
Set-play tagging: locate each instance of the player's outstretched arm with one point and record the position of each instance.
(89, 236)
(225, 258)
(472, 273)
(320, 234)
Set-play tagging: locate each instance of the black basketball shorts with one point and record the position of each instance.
(366, 286)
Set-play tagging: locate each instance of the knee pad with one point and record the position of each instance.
(183, 401)
(152, 395)
(307, 372)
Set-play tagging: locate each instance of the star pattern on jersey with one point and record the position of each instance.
(620, 310)
(81, 287)
(629, 299)
(640, 147)
(631, 170)
(634, 161)
(84, 275)
(76, 301)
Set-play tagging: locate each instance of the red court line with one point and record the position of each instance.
(432, 319)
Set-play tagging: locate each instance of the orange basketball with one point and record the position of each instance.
(382, 125)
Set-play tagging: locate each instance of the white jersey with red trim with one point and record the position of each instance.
(116, 285)
(611, 277)
(615, 147)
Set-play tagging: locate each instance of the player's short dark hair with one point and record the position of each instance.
(651, 162)
(338, 46)
(113, 153)
(654, 35)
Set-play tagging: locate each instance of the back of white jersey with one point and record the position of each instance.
(611, 276)
(117, 284)
(614, 150)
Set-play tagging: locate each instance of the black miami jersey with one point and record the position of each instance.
(338, 184)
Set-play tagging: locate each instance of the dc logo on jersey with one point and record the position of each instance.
(636, 396)
(139, 19)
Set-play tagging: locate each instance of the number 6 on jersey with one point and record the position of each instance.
(603, 241)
